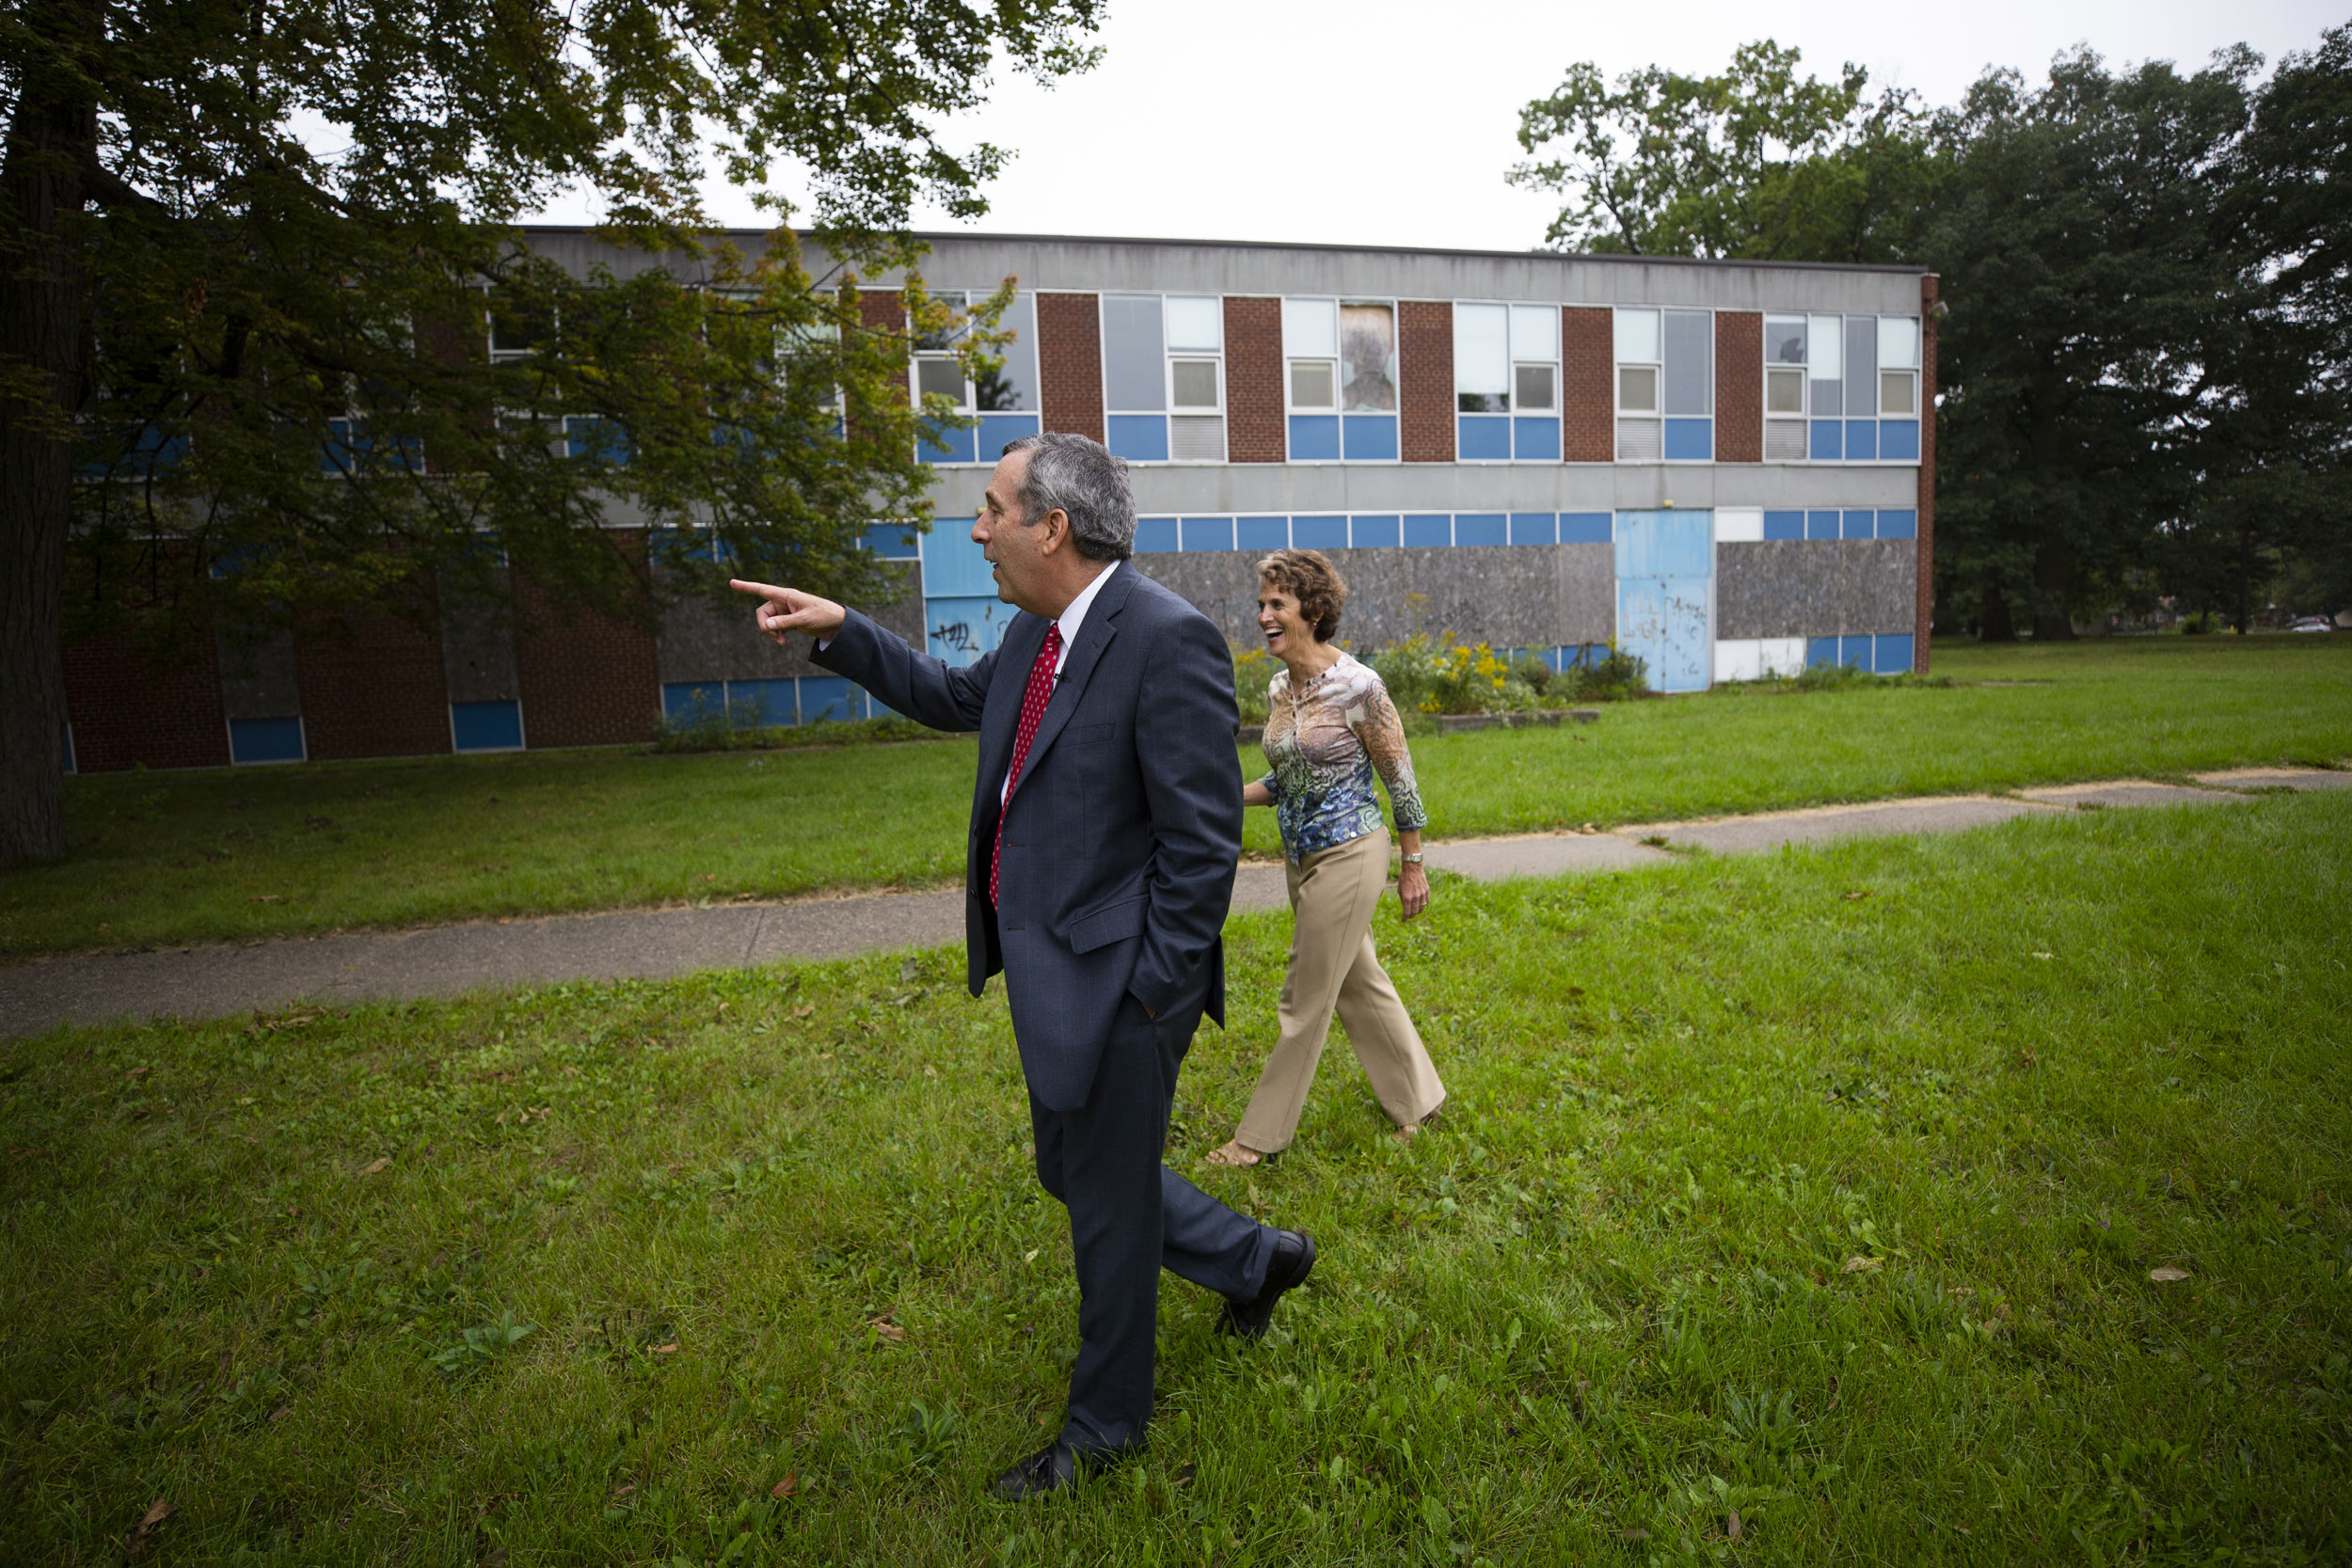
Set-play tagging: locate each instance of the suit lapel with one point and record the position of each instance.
(1101, 624)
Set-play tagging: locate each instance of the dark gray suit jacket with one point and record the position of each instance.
(1122, 837)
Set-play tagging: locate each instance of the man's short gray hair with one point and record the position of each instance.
(1080, 478)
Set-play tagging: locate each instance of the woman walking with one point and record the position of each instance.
(1330, 729)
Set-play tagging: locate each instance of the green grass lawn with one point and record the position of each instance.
(230, 854)
(1820, 1188)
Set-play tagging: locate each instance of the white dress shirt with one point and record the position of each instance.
(1071, 619)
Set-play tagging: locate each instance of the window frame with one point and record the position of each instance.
(1914, 334)
(1336, 408)
(1513, 363)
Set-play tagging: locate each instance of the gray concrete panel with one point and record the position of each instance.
(257, 675)
(1210, 266)
(1488, 593)
(1585, 576)
(478, 645)
(1815, 588)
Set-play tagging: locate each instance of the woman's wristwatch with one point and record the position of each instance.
(1413, 859)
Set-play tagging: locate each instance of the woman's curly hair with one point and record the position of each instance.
(1309, 577)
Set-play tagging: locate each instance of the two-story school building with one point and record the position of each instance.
(1726, 468)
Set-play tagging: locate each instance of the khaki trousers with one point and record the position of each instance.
(1333, 892)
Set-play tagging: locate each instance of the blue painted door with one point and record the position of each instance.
(1665, 572)
(962, 618)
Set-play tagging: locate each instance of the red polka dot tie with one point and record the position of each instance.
(1033, 702)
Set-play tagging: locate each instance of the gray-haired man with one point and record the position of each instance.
(1105, 825)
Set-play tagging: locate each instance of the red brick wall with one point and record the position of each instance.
(1424, 372)
(128, 706)
(1588, 375)
(1926, 614)
(587, 679)
(373, 685)
(1069, 363)
(881, 310)
(1254, 428)
(1739, 386)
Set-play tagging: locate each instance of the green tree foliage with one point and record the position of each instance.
(250, 252)
(1758, 163)
(2149, 279)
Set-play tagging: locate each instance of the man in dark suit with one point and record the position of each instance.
(1105, 826)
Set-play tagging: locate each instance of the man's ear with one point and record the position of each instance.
(1055, 525)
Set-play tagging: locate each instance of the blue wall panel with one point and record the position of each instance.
(1819, 652)
(1862, 440)
(1898, 525)
(681, 702)
(890, 541)
(953, 566)
(1156, 536)
(1858, 525)
(1535, 440)
(1855, 651)
(1535, 527)
(1373, 533)
(1690, 440)
(996, 429)
(1424, 531)
(1898, 439)
(959, 629)
(1827, 441)
(1138, 438)
(1371, 437)
(1784, 524)
(830, 697)
(1314, 439)
(499, 726)
(1482, 437)
(1822, 525)
(1481, 528)
(951, 446)
(1265, 533)
(1208, 533)
(763, 704)
(1586, 528)
(1891, 655)
(264, 740)
(1319, 533)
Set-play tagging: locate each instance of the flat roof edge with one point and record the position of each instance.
(1529, 255)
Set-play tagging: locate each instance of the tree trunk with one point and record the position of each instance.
(1994, 622)
(2051, 621)
(43, 334)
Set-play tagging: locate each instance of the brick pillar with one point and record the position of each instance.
(1739, 386)
(1069, 363)
(1424, 371)
(372, 682)
(1926, 616)
(1588, 383)
(1254, 429)
(587, 679)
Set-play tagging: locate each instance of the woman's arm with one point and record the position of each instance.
(1256, 793)
(1412, 882)
(1382, 732)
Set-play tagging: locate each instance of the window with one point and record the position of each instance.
(1784, 388)
(1665, 385)
(1164, 377)
(1841, 388)
(1340, 369)
(1196, 380)
(518, 328)
(1640, 352)
(1002, 399)
(1506, 382)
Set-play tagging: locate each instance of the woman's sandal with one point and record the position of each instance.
(1406, 1134)
(1235, 1156)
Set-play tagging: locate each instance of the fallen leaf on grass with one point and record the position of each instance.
(1731, 1528)
(2168, 1274)
(374, 1165)
(133, 1073)
(1862, 1265)
(1633, 1535)
(804, 1010)
(745, 897)
(670, 1349)
(711, 876)
(784, 1488)
(1183, 1475)
(1849, 898)
(623, 1491)
(136, 1540)
(887, 1330)
(265, 898)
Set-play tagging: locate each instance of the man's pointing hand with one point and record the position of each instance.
(788, 609)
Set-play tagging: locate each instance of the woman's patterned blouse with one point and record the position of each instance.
(1324, 746)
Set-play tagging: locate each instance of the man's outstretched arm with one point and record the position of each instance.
(926, 689)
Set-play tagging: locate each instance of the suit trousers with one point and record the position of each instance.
(1333, 892)
(1130, 1217)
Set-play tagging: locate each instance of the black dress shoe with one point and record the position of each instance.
(1293, 1256)
(1049, 1469)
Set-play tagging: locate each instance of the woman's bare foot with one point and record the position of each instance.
(1236, 1155)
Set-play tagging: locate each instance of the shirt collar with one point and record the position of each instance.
(1075, 616)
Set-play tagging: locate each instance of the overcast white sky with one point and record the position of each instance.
(1375, 122)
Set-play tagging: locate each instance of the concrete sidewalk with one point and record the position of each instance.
(444, 960)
